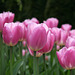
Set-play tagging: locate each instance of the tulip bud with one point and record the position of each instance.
(24, 43)
(70, 42)
(36, 36)
(63, 37)
(35, 20)
(24, 52)
(10, 33)
(57, 32)
(66, 57)
(52, 22)
(66, 27)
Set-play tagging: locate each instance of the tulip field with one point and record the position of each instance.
(33, 48)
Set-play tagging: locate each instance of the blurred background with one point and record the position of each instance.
(64, 10)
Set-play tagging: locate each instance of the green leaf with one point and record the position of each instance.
(16, 66)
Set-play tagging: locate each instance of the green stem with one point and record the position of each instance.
(70, 72)
(11, 71)
(44, 64)
(20, 49)
(35, 64)
(24, 65)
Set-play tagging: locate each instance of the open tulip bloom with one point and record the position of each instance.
(66, 57)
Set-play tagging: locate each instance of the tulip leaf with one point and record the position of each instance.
(16, 66)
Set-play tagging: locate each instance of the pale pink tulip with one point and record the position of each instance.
(24, 52)
(66, 57)
(66, 27)
(5, 17)
(70, 42)
(57, 32)
(36, 36)
(49, 44)
(63, 37)
(52, 22)
(35, 20)
(72, 33)
(24, 43)
(10, 33)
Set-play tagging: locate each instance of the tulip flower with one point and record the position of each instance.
(63, 37)
(66, 27)
(70, 42)
(38, 54)
(57, 47)
(22, 31)
(24, 43)
(5, 17)
(56, 31)
(49, 44)
(72, 33)
(24, 52)
(36, 36)
(10, 33)
(52, 22)
(66, 57)
(35, 20)
(28, 21)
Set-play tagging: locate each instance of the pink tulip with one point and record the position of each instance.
(72, 33)
(52, 22)
(57, 32)
(35, 20)
(57, 47)
(32, 53)
(70, 42)
(28, 21)
(63, 37)
(66, 27)
(10, 33)
(49, 44)
(36, 36)
(22, 31)
(47, 58)
(66, 57)
(24, 52)
(24, 43)
(5, 17)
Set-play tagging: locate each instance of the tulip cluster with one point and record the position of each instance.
(40, 37)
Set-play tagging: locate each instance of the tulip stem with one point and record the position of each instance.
(24, 65)
(44, 64)
(70, 72)
(11, 71)
(35, 64)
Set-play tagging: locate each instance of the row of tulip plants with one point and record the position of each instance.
(34, 48)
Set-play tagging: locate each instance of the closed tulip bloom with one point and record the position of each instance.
(24, 43)
(63, 37)
(32, 53)
(66, 27)
(70, 42)
(28, 21)
(5, 17)
(22, 31)
(49, 44)
(35, 20)
(57, 47)
(72, 33)
(10, 33)
(52, 22)
(24, 52)
(36, 36)
(57, 32)
(66, 57)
